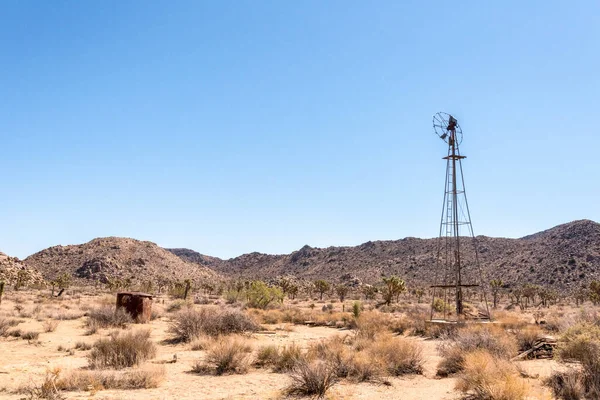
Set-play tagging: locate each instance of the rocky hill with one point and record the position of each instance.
(563, 257)
(112, 257)
(12, 267)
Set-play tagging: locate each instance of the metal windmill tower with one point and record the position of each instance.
(459, 282)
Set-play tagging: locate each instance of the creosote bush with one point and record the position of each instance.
(190, 324)
(121, 350)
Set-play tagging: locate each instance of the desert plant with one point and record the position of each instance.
(312, 378)
(225, 356)
(399, 356)
(30, 335)
(176, 305)
(121, 350)
(496, 286)
(190, 324)
(495, 340)
(321, 286)
(48, 390)
(356, 309)
(145, 377)
(489, 378)
(50, 325)
(5, 324)
(259, 295)
(342, 292)
(566, 385)
(582, 343)
(107, 317)
(393, 288)
(1, 290)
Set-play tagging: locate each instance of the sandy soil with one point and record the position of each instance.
(25, 363)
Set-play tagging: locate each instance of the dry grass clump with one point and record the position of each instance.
(106, 317)
(48, 390)
(145, 377)
(527, 336)
(281, 359)
(567, 385)
(176, 305)
(83, 346)
(580, 343)
(312, 378)
(371, 324)
(399, 356)
(6, 324)
(361, 360)
(50, 325)
(476, 337)
(487, 377)
(229, 355)
(121, 350)
(190, 324)
(30, 335)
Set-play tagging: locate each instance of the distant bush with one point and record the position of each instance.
(146, 377)
(190, 324)
(107, 317)
(121, 350)
(259, 295)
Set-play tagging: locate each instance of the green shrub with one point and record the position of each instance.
(259, 295)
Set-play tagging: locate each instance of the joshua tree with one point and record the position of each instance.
(322, 286)
(394, 287)
(342, 292)
(496, 285)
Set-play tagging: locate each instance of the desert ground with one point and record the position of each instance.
(47, 344)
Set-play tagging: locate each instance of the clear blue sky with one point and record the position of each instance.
(237, 126)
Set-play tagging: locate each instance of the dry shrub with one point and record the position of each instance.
(509, 320)
(558, 322)
(399, 356)
(50, 325)
(269, 317)
(567, 385)
(230, 355)
(121, 350)
(582, 343)
(176, 305)
(370, 324)
(5, 324)
(146, 377)
(294, 316)
(527, 336)
(83, 346)
(281, 359)
(30, 335)
(487, 377)
(475, 337)
(312, 378)
(190, 324)
(200, 343)
(106, 317)
(48, 390)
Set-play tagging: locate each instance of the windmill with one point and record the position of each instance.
(458, 271)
